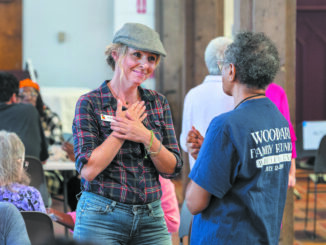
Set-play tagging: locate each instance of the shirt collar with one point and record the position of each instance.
(108, 98)
(212, 78)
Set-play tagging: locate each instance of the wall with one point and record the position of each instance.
(10, 35)
(86, 27)
(228, 18)
(77, 61)
(74, 64)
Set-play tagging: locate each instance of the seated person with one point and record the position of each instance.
(21, 119)
(13, 178)
(12, 226)
(29, 93)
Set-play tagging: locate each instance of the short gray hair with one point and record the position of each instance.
(215, 51)
(12, 152)
(255, 58)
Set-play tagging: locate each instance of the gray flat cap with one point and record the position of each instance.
(141, 37)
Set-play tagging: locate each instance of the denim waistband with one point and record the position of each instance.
(125, 206)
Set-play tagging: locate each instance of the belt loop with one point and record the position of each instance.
(78, 195)
(150, 208)
(112, 206)
(135, 209)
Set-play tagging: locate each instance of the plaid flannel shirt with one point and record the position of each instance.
(130, 177)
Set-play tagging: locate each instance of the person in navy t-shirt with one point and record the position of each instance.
(239, 182)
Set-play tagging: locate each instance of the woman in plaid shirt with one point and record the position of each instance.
(124, 138)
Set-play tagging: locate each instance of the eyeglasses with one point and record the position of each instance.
(25, 164)
(24, 95)
(220, 63)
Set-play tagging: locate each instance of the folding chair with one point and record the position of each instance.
(34, 168)
(318, 178)
(39, 227)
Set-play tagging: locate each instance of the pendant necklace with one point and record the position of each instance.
(126, 103)
(247, 98)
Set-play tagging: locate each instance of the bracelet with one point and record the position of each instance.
(151, 141)
(157, 152)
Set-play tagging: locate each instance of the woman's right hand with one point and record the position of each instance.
(127, 125)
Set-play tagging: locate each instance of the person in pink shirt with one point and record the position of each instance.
(170, 205)
(278, 96)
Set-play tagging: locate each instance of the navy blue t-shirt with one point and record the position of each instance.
(244, 163)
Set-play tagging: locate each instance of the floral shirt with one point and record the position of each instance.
(25, 198)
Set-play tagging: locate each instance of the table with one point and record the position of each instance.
(59, 165)
(63, 166)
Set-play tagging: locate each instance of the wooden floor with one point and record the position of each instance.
(301, 237)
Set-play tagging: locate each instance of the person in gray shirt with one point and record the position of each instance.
(12, 226)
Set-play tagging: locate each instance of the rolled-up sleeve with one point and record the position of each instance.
(170, 141)
(85, 131)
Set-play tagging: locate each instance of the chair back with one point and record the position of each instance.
(35, 170)
(320, 161)
(39, 227)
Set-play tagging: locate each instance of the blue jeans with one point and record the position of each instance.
(104, 221)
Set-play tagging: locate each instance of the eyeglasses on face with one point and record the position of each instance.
(25, 164)
(220, 63)
(24, 95)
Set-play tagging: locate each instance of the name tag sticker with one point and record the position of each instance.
(107, 118)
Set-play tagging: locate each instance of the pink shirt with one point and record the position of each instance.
(170, 205)
(73, 216)
(277, 94)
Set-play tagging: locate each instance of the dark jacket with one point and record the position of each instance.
(24, 120)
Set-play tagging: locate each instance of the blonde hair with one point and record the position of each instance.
(12, 152)
(121, 49)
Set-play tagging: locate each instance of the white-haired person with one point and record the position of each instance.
(14, 180)
(207, 100)
(124, 139)
(201, 104)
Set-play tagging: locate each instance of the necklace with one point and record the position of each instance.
(247, 98)
(124, 102)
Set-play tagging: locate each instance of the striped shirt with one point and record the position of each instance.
(130, 177)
